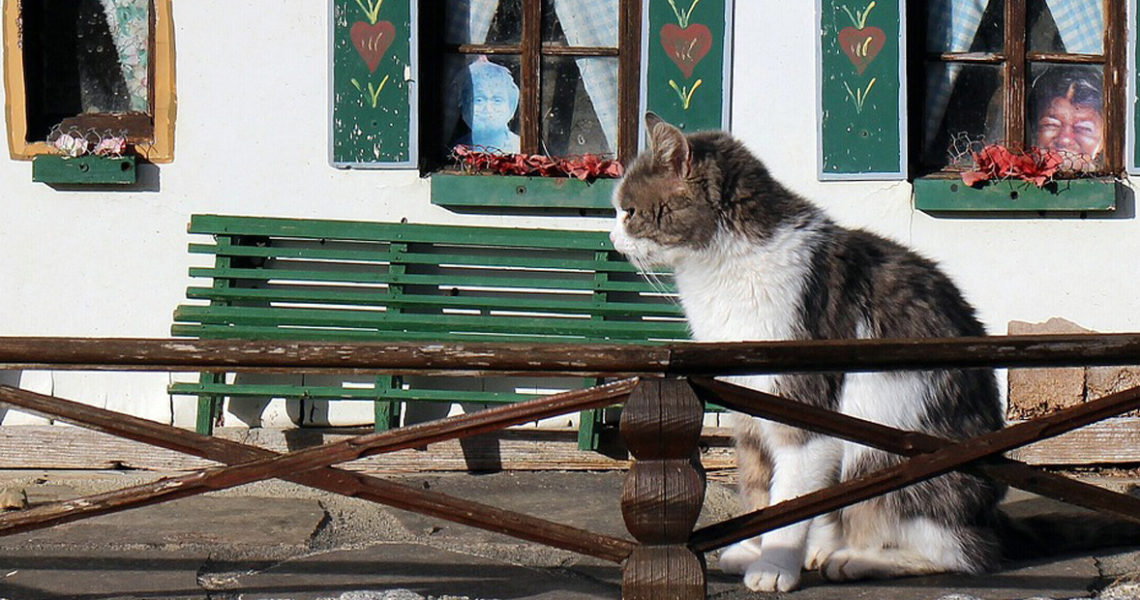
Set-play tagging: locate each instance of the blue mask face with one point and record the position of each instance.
(489, 103)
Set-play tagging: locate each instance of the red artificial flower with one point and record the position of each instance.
(586, 167)
(1036, 166)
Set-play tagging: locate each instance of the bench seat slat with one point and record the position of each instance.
(555, 239)
(379, 256)
(449, 281)
(345, 393)
(226, 332)
(382, 298)
(440, 323)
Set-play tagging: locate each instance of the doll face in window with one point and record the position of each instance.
(1070, 127)
(492, 99)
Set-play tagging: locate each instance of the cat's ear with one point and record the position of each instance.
(668, 144)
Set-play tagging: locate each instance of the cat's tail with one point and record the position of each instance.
(1055, 534)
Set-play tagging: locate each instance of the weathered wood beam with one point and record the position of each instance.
(121, 354)
(916, 469)
(248, 461)
(910, 443)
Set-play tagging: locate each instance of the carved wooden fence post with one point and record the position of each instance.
(664, 491)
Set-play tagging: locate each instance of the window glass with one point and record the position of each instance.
(483, 21)
(1068, 26)
(481, 101)
(1066, 113)
(963, 109)
(83, 57)
(580, 22)
(579, 105)
(964, 26)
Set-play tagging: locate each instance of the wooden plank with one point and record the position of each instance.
(914, 470)
(297, 462)
(1110, 442)
(330, 479)
(587, 360)
(911, 443)
(525, 449)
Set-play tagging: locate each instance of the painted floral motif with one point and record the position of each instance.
(861, 43)
(686, 44)
(371, 38)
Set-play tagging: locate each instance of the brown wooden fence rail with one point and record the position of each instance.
(664, 390)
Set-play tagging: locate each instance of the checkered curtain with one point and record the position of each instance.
(951, 27)
(1080, 23)
(594, 23)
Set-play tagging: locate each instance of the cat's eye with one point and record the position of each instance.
(629, 212)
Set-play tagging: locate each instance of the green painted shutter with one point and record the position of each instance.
(373, 95)
(861, 101)
(685, 77)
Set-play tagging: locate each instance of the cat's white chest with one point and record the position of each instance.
(744, 291)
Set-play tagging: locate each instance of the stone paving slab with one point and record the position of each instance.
(278, 541)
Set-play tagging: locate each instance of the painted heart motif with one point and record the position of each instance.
(372, 41)
(686, 47)
(861, 45)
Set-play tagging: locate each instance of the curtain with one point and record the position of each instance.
(951, 27)
(129, 22)
(585, 23)
(594, 23)
(1080, 23)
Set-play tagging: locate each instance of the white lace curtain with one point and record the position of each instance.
(129, 23)
(585, 23)
(953, 24)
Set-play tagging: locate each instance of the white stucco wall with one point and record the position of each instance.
(251, 139)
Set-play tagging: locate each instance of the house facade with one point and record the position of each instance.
(348, 109)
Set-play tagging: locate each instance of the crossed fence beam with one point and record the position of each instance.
(664, 558)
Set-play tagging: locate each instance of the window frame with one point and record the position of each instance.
(1014, 61)
(156, 147)
(531, 51)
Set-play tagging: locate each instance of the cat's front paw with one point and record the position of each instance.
(817, 556)
(763, 576)
(847, 565)
(736, 558)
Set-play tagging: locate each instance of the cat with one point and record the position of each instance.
(754, 261)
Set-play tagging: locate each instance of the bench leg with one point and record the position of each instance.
(209, 406)
(387, 412)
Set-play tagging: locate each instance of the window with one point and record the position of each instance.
(410, 80)
(1021, 73)
(89, 65)
(551, 77)
(974, 72)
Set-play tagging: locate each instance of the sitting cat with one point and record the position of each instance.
(754, 261)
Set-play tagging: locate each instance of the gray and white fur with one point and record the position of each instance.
(754, 261)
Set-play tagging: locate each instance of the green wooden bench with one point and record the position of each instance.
(291, 279)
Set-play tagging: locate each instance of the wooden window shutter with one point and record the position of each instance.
(373, 91)
(687, 45)
(861, 102)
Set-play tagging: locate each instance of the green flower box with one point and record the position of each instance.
(89, 169)
(520, 192)
(944, 194)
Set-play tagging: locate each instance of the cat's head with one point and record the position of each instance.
(663, 206)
